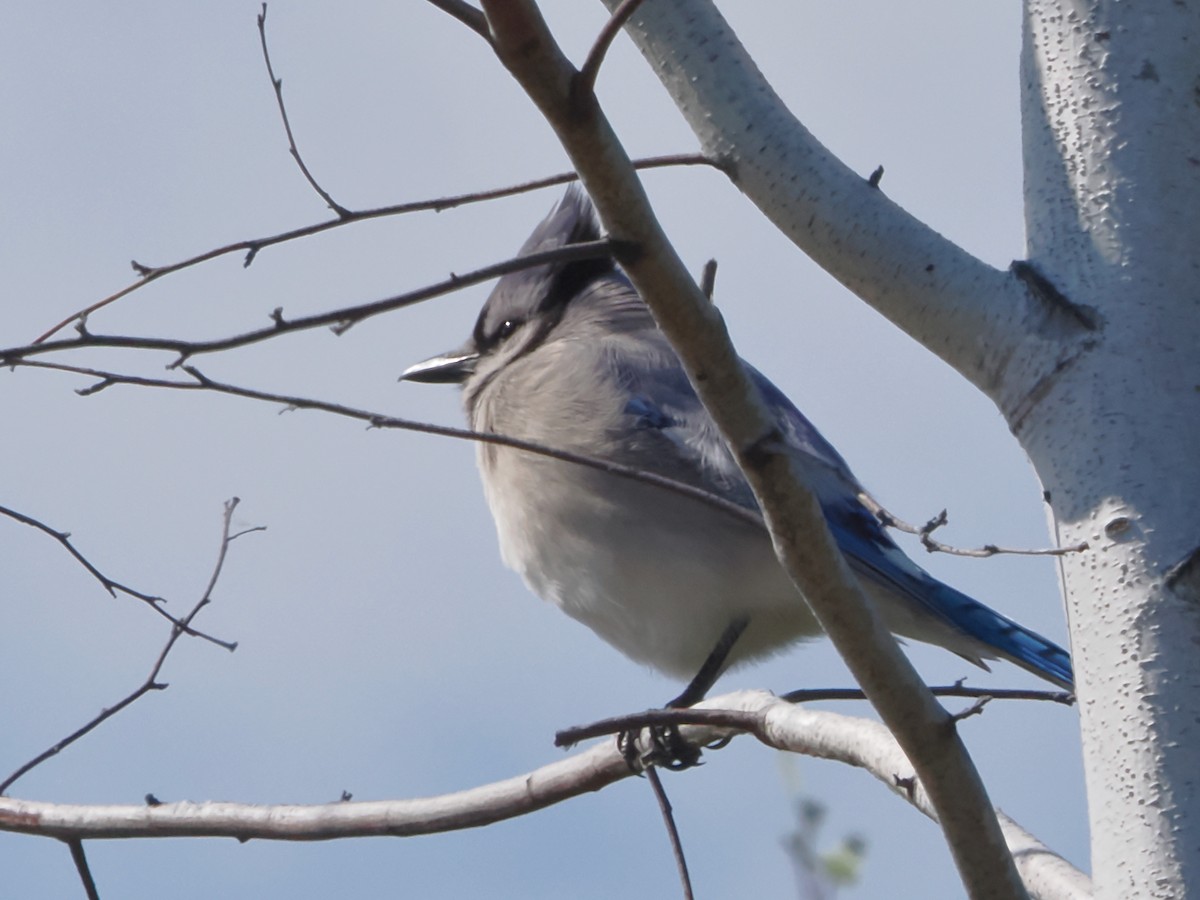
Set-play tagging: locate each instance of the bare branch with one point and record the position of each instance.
(701, 715)
(202, 382)
(975, 709)
(858, 742)
(106, 379)
(708, 278)
(668, 815)
(252, 246)
(925, 532)
(277, 84)
(808, 695)
(937, 292)
(467, 14)
(337, 317)
(151, 683)
(585, 82)
(81, 866)
(109, 584)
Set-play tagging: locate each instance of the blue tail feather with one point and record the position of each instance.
(875, 555)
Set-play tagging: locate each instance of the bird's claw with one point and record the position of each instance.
(658, 745)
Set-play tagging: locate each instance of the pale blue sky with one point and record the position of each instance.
(384, 649)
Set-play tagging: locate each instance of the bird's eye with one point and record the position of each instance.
(507, 327)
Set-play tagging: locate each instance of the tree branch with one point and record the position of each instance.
(201, 382)
(339, 319)
(151, 682)
(467, 14)
(84, 870)
(112, 585)
(697, 715)
(252, 246)
(585, 83)
(798, 530)
(858, 742)
(277, 85)
(935, 291)
(668, 817)
(925, 533)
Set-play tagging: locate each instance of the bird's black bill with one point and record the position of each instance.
(449, 368)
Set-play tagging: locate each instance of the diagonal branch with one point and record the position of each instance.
(110, 584)
(277, 85)
(467, 14)
(252, 246)
(151, 682)
(585, 83)
(798, 530)
(338, 318)
(201, 382)
(84, 870)
(934, 290)
(668, 817)
(106, 379)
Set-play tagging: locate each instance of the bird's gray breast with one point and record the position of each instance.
(656, 574)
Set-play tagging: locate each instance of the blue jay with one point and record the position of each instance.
(567, 355)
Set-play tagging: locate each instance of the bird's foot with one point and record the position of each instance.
(658, 745)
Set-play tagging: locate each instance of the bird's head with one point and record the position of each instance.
(525, 307)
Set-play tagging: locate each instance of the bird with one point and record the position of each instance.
(566, 355)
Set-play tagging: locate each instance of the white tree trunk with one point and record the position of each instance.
(1091, 351)
(1111, 115)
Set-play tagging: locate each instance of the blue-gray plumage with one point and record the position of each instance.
(567, 356)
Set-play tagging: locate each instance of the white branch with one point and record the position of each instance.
(858, 742)
(977, 318)
(868, 745)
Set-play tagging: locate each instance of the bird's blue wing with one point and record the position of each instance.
(876, 557)
(662, 401)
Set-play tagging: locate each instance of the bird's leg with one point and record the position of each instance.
(667, 747)
(713, 666)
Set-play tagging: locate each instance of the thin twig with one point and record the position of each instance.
(277, 84)
(975, 709)
(721, 718)
(664, 806)
(1066, 698)
(252, 246)
(81, 866)
(107, 379)
(338, 317)
(585, 81)
(708, 278)
(151, 683)
(467, 14)
(925, 532)
(109, 584)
